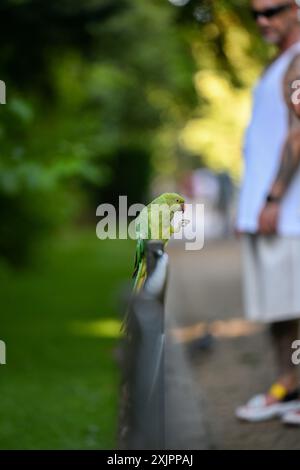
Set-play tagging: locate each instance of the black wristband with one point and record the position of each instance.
(271, 198)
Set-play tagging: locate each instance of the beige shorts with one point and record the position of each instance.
(271, 277)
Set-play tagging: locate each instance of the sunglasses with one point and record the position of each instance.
(270, 12)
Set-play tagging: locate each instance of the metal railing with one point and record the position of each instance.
(142, 397)
(158, 408)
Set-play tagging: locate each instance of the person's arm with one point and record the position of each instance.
(290, 160)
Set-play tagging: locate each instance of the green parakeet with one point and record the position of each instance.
(154, 223)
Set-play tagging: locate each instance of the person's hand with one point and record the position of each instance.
(268, 219)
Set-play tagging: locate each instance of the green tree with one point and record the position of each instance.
(104, 94)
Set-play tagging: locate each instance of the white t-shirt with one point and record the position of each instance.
(263, 146)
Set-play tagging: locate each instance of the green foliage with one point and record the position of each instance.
(107, 94)
(94, 83)
(229, 56)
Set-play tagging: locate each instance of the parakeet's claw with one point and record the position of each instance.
(179, 226)
(185, 222)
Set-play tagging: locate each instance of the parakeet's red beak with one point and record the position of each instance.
(182, 207)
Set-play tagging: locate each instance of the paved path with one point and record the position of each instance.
(205, 289)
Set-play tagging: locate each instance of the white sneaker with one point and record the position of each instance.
(257, 410)
(292, 417)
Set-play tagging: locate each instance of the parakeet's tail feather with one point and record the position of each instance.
(139, 254)
(140, 278)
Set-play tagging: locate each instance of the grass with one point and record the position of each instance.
(59, 388)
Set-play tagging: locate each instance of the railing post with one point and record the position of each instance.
(161, 407)
(144, 363)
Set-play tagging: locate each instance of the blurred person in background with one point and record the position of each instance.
(269, 209)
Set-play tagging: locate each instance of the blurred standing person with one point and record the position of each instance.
(269, 207)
